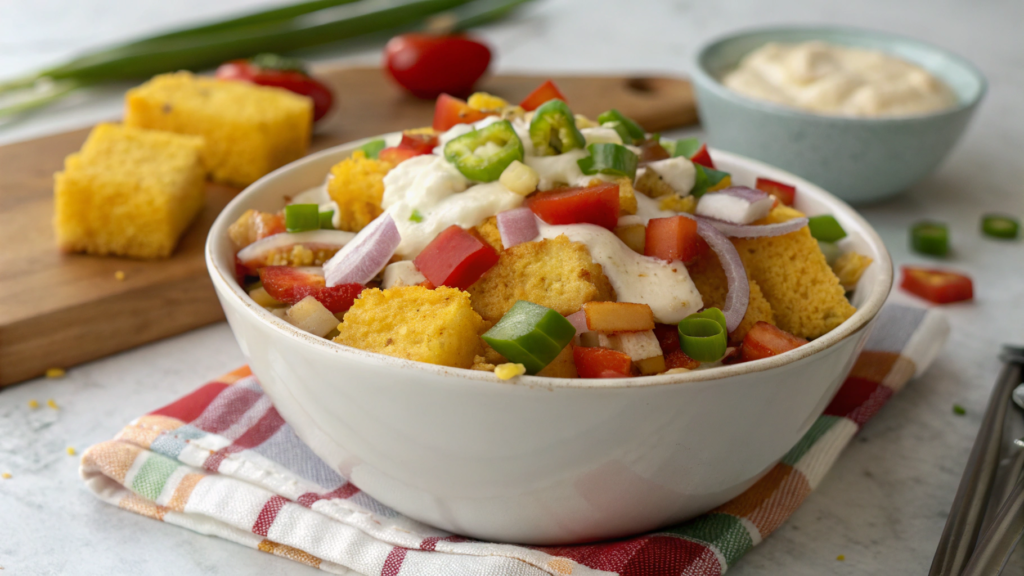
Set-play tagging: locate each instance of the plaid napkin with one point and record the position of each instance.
(221, 461)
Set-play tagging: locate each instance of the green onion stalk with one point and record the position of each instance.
(286, 29)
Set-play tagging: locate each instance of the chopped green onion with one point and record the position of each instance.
(636, 132)
(998, 226)
(930, 238)
(607, 158)
(531, 335)
(621, 130)
(416, 216)
(686, 147)
(301, 217)
(959, 410)
(825, 228)
(703, 339)
(712, 314)
(327, 220)
(373, 147)
(708, 180)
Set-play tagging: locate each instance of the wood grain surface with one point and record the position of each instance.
(59, 310)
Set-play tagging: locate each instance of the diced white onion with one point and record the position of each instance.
(403, 273)
(517, 226)
(738, 205)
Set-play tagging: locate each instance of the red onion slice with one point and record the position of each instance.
(755, 231)
(366, 255)
(745, 192)
(517, 226)
(262, 247)
(738, 297)
(579, 321)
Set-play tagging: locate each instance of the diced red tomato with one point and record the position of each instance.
(543, 93)
(702, 157)
(938, 286)
(429, 64)
(410, 146)
(455, 258)
(395, 155)
(450, 111)
(290, 285)
(596, 362)
(591, 205)
(783, 192)
(668, 337)
(765, 340)
(674, 238)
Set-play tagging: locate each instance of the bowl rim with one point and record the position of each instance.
(713, 84)
(224, 280)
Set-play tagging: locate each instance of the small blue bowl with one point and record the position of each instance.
(858, 159)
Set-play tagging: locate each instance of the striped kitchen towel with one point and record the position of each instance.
(221, 461)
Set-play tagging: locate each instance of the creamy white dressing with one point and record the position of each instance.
(664, 286)
(677, 172)
(561, 169)
(647, 208)
(830, 79)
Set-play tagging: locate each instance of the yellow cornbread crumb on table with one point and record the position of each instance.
(356, 184)
(55, 372)
(558, 273)
(710, 280)
(794, 277)
(129, 192)
(250, 130)
(433, 326)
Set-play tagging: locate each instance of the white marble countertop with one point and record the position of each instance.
(883, 505)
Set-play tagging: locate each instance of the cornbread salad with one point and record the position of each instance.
(526, 239)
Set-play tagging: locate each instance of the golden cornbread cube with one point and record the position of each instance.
(627, 195)
(356, 184)
(128, 192)
(433, 326)
(794, 277)
(250, 130)
(563, 366)
(709, 278)
(488, 231)
(486, 102)
(558, 273)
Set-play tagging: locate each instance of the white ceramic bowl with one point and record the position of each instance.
(542, 460)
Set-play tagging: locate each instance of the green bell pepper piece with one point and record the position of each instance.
(686, 147)
(607, 158)
(482, 155)
(531, 335)
(327, 220)
(301, 217)
(930, 238)
(825, 228)
(707, 180)
(553, 129)
(613, 115)
(372, 148)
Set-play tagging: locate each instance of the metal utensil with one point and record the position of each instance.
(1001, 538)
(965, 518)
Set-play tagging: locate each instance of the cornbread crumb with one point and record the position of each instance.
(794, 277)
(676, 203)
(558, 273)
(52, 404)
(486, 102)
(55, 372)
(488, 230)
(563, 366)
(509, 370)
(250, 130)
(71, 451)
(434, 326)
(356, 184)
(6, 476)
(849, 268)
(33, 404)
(481, 363)
(710, 280)
(119, 275)
(627, 196)
(840, 557)
(128, 192)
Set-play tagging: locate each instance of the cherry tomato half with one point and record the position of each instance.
(291, 80)
(427, 65)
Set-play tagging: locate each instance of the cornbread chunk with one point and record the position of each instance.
(794, 277)
(558, 273)
(129, 192)
(250, 130)
(563, 366)
(709, 278)
(488, 230)
(356, 185)
(433, 326)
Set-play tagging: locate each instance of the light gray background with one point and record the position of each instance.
(882, 506)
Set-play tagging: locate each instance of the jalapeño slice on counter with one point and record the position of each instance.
(553, 129)
(482, 155)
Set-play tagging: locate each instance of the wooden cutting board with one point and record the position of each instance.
(59, 310)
